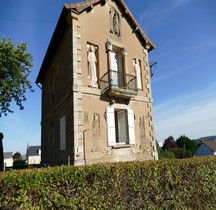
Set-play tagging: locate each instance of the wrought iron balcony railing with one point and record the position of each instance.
(118, 83)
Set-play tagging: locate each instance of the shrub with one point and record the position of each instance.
(166, 154)
(170, 184)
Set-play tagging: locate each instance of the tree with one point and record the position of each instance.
(188, 146)
(1, 153)
(15, 65)
(169, 143)
(17, 156)
(19, 162)
(183, 142)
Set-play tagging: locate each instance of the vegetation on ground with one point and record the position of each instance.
(165, 184)
(181, 148)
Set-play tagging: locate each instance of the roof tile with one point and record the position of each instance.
(211, 144)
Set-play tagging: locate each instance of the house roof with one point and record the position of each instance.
(33, 150)
(8, 155)
(78, 8)
(210, 144)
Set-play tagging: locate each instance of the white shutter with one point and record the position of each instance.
(131, 128)
(62, 133)
(110, 119)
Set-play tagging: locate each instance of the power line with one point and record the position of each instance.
(27, 20)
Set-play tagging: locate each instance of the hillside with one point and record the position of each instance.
(206, 138)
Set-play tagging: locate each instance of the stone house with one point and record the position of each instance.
(96, 93)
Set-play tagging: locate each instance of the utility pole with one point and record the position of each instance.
(1, 153)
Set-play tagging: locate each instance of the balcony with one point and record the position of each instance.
(119, 85)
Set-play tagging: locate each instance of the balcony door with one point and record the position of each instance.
(116, 68)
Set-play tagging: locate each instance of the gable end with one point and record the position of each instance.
(78, 8)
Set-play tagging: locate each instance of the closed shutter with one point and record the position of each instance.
(111, 134)
(131, 128)
(62, 133)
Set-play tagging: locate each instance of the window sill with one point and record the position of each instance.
(119, 146)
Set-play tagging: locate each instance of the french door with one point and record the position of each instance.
(116, 68)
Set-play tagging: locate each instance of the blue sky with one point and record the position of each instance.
(184, 83)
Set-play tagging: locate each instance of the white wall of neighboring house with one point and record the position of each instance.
(33, 155)
(36, 159)
(8, 162)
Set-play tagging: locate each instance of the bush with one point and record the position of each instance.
(19, 164)
(172, 184)
(174, 153)
(166, 154)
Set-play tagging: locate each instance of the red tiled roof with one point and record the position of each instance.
(81, 4)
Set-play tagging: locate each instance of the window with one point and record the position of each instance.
(120, 126)
(117, 67)
(62, 133)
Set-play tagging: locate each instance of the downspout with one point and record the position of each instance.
(84, 150)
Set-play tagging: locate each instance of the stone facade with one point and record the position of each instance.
(93, 109)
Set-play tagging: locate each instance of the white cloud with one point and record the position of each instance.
(159, 11)
(180, 63)
(191, 114)
(179, 3)
(206, 45)
(167, 75)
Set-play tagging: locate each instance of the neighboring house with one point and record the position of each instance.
(8, 160)
(96, 92)
(206, 148)
(160, 144)
(33, 155)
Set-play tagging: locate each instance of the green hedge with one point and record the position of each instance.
(174, 184)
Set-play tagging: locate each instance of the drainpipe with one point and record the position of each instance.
(84, 150)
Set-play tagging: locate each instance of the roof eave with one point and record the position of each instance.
(148, 44)
(79, 7)
(56, 37)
